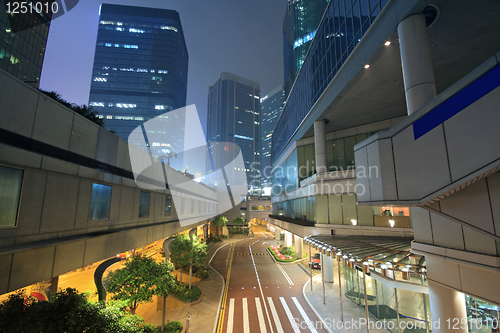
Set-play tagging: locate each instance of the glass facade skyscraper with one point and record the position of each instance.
(342, 28)
(271, 107)
(140, 66)
(299, 28)
(23, 38)
(234, 116)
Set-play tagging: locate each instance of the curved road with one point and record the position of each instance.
(261, 295)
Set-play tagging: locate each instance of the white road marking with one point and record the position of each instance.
(284, 273)
(260, 315)
(246, 323)
(276, 318)
(260, 286)
(310, 324)
(289, 315)
(230, 316)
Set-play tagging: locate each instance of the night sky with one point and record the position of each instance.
(241, 37)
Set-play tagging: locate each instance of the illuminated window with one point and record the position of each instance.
(130, 46)
(168, 205)
(126, 106)
(169, 28)
(100, 104)
(138, 31)
(10, 191)
(100, 79)
(144, 204)
(109, 117)
(100, 203)
(107, 22)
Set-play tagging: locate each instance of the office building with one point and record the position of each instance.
(390, 130)
(23, 38)
(234, 116)
(300, 24)
(271, 107)
(140, 66)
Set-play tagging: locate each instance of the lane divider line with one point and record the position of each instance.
(226, 288)
(285, 274)
(260, 286)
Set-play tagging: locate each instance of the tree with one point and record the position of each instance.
(220, 222)
(179, 252)
(68, 311)
(196, 256)
(83, 110)
(136, 283)
(164, 283)
(184, 253)
(239, 221)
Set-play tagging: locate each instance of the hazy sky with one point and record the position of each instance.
(241, 37)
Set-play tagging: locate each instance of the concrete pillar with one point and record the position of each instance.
(299, 247)
(277, 234)
(288, 239)
(327, 267)
(418, 74)
(447, 304)
(54, 283)
(320, 146)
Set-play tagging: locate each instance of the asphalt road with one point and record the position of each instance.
(262, 296)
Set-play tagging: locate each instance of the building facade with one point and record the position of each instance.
(388, 130)
(300, 24)
(271, 107)
(23, 38)
(140, 66)
(234, 116)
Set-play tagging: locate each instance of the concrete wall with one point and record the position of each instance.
(418, 169)
(53, 234)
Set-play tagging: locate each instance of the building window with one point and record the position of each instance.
(144, 204)
(100, 204)
(168, 205)
(10, 192)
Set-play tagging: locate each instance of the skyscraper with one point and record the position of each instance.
(271, 107)
(299, 28)
(234, 116)
(140, 66)
(23, 38)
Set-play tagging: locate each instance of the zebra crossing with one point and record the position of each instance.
(248, 306)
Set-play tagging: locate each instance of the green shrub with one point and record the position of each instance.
(278, 258)
(288, 251)
(185, 294)
(173, 327)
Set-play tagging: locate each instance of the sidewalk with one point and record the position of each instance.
(204, 313)
(329, 313)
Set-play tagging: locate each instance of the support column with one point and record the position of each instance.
(327, 265)
(54, 283)
(277, 234)
(288, 239)
(418, 74)
(299, 247)
(320, 146)
(446, 304)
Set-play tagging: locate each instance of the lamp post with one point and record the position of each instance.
(366, 269)
(340, 287)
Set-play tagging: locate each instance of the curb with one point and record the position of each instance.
(312, 307)
(283, 262)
